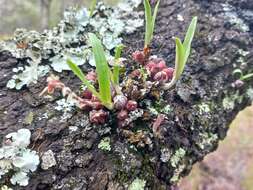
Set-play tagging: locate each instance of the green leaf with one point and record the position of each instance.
(183, 50)
(102, 70)
(92, 7)
(239, 72)
(188, 39)
(148, 18)
(246, 77)
(118, 51)
(154, 18)
(78, 72)
(180, 55)
(150, 21)
(116, 67)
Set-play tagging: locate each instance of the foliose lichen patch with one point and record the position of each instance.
(16, 159)
(137, 184)
(105, 144)
(69, 40)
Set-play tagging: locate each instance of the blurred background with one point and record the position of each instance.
(228, 168)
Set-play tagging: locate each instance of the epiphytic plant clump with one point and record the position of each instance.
(16, 159)
(127, 94)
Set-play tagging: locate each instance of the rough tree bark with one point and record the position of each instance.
(204, 104)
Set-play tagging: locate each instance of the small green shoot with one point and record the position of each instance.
(242, 76)
(92, 7)
(103, 73)
(116, 67)
(182, 53)
(150, 21)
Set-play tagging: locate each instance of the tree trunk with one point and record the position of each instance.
(204, 104)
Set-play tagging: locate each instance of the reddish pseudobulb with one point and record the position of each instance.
(122, 115)
(98, 117)
(169, 71)
(131, 105)
(87, 94)
(139, 57)
(158, 70)
(119, 102)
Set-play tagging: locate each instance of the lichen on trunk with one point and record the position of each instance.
(201, 106)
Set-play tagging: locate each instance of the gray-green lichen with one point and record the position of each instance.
(165, 154)
(69, 39)
(29, 118)
(137, 184)
(160, 107)
(167, 109)
(177, 157)
(204, 108)
(105, 144)
(17, 159)
(27, 74)
(177, 172)
(206, 139)
(241, 59)
(66, 107)
(5, 187)
(230, 101)
(48, 160)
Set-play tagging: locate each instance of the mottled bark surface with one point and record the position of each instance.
(203, 102)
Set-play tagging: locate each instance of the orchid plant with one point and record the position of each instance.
(182, 53)
(150, 73)
(106, 77)
(150, 23)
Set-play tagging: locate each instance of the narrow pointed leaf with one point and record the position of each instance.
(118, 51)
(154, 18)
(179, 63)
(78, 72)
(189, 37)
(102, 70)
(116, 67)
(180, 53)
(148, 18)
(248, 76)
